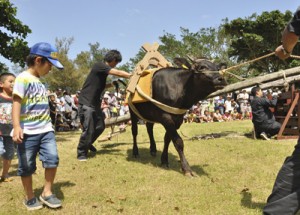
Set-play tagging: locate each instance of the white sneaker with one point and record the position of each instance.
(264, 136)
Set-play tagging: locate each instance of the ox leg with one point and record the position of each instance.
(153, 150)
(164, 155)
(134, 132)
(179, 145)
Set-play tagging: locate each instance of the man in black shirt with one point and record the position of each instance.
(263, 119)
(285, 196)
(89, 109)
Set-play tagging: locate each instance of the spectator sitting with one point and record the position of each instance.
(207, 117)
(227, 116)
(235, 115)
(61, 125)
(217, 117)
(191, 116)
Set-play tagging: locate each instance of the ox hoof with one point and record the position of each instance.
(190, 174)
(136, 156)
(153, 154)
(165, 165)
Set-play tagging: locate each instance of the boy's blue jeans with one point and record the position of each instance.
(7, 147)
(45, 145)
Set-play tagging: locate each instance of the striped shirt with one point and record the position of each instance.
(34, 116)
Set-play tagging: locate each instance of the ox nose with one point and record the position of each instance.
(220, 79)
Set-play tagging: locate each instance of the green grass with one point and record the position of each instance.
(236, 175)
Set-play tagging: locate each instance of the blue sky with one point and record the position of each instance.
(127, 24)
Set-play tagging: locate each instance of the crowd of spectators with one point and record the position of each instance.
(64, 108)
(224, 108)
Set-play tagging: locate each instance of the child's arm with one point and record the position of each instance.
(16, 111)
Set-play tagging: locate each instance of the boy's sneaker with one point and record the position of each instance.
(264, 136)
(6, 179)
(51, 201)
(33, 204)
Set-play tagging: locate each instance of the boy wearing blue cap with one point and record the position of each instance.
(32, 128)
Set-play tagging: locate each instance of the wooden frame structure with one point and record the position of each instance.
(287, 112)
(152, 57)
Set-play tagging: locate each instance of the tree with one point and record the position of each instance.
(207, 42)
(257, 36)
(69, 78)
(12, 35)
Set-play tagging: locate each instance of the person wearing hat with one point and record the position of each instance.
(32, 127)
(89, 110)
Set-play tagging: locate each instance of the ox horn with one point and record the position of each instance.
(191, 58)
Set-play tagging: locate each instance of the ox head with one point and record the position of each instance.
(204, 69)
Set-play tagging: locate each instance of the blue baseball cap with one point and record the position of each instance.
(46, 50)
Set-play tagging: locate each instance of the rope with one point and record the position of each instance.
(250, 61)
(162, 106)
(295, 56)
(224, 71)
(135, 110)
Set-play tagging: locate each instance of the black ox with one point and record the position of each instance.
(178, 88)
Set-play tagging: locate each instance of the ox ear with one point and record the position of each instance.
(182, 63)
(222, 66)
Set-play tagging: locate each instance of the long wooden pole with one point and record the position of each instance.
(257, 81)
(279, 83)
(116, 120)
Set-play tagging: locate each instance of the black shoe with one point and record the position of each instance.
(82, 158)
(92, 148)
(264, 136)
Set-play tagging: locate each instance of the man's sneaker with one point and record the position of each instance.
(82, 158)
(51, 201)
(92, 148)
(33, 204)
(264, 136)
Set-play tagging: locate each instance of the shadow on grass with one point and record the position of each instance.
(113, 145)
(247, 202)
(224, 134)
(174, 164)
(56, 189)
(64, 136)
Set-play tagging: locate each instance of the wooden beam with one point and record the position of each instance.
(257, 81)
(116, 120)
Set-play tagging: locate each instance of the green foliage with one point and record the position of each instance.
(69, 78)
(12, 35)
(75, 71)
(257, 36)
(207, 42)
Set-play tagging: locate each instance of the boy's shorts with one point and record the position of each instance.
(7, 148)
(45, 145)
